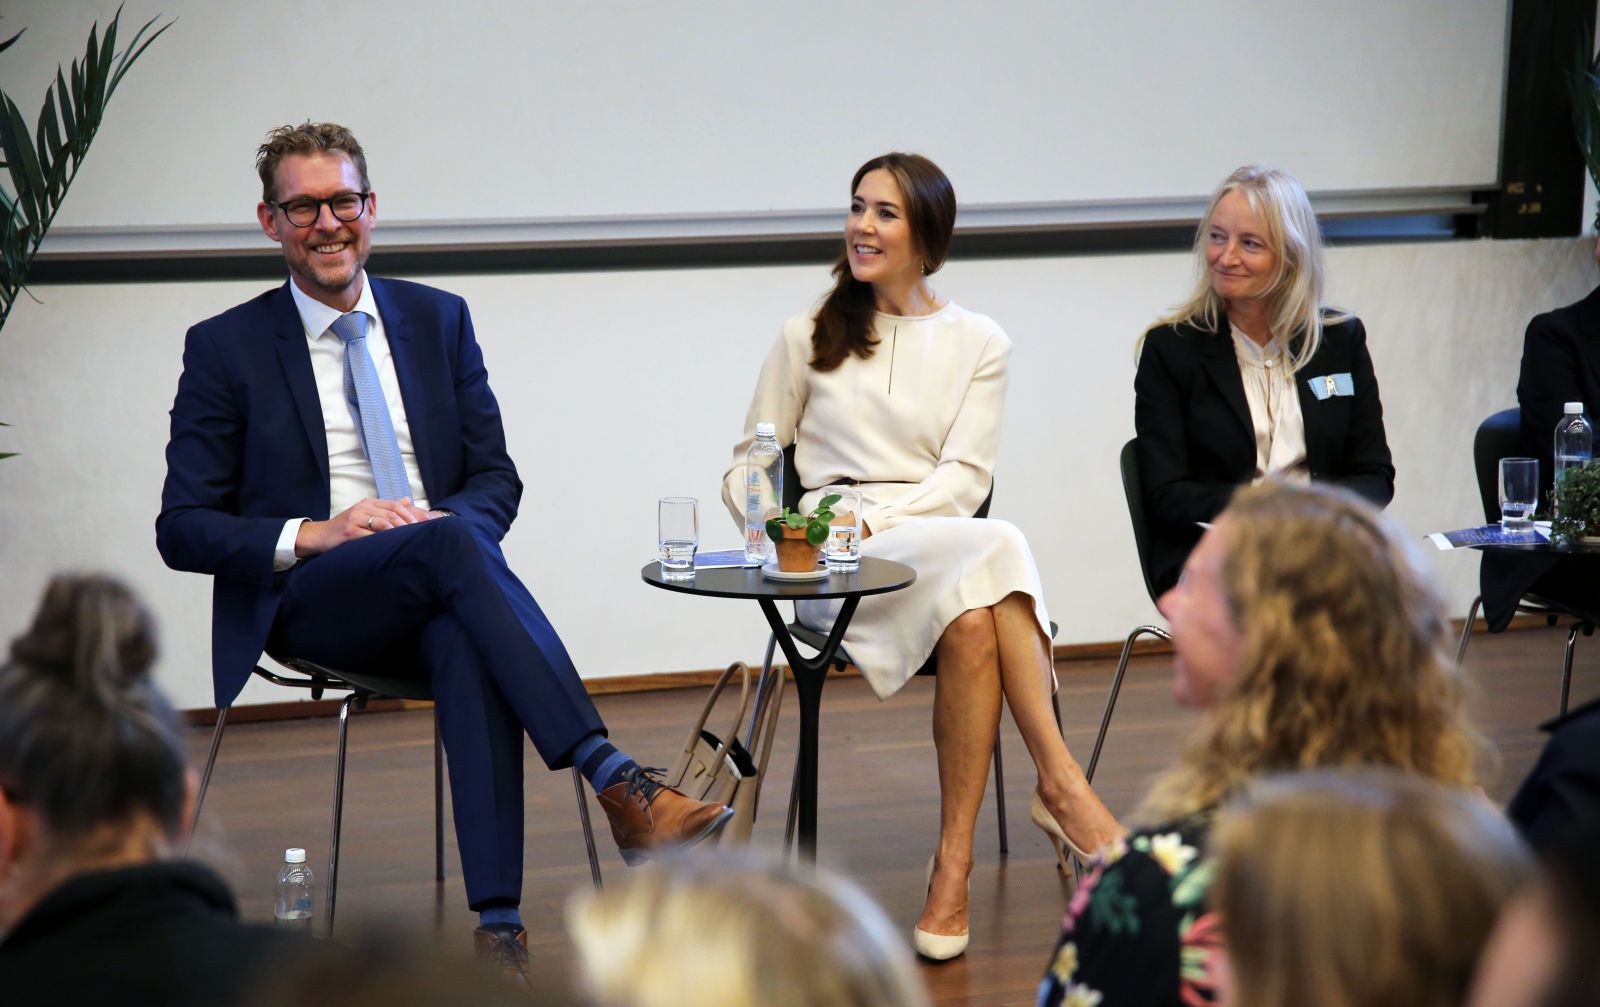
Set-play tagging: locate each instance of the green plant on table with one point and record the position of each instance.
(815, 524)
(1577, 501)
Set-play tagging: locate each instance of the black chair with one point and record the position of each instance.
(1129, 461)
(792, 492)
(364, 688)
(1500, 436)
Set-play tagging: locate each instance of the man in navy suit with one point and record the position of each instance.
(337, 464)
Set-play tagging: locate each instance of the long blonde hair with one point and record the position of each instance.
(1347, 889)
(1346, 660)
(739, 929)
(1296, 290)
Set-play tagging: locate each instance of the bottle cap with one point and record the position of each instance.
(294, 855)
(1574, 407)
(766, 430)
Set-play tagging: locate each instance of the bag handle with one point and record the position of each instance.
(686, 757)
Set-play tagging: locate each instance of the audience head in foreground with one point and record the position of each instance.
(1359, 889)
(94, 798)
(1545, 949)
(91, 768)
(1307, 632)
(1307, 626)
(739, 929)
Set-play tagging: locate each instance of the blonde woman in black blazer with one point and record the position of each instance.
(1212, 402)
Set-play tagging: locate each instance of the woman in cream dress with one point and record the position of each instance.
(894, 387)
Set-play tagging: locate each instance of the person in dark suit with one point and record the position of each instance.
(1253, 376)
(1560, 364)
(337, 464)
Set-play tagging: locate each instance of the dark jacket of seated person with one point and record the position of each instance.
(1196, 438)
(1560, 364)
(157, 933)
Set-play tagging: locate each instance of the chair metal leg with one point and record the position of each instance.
(1000, 796)
(205, 778)
(1466, 630)
(1566, 664)
(1116, 687)
(588, 829)
(794, 810)
(438, 800)
(354, 699)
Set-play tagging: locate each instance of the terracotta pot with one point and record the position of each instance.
(795, 554)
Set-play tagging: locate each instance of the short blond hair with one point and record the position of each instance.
(1296, 291)
(738, 929)
(306, 138)
(1346, 652)
(1346, 889)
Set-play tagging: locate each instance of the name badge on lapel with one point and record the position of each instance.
(1329, 385)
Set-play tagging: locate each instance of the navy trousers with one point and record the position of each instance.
(437, 598)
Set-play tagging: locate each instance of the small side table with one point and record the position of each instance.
(876, 576)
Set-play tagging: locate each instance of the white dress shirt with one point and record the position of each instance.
(1269, 388)
(350, 477)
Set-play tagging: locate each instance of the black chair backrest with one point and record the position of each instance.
(1135, 493)
(793, 491)
(1499, 436)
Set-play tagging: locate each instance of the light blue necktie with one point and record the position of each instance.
(371, 412)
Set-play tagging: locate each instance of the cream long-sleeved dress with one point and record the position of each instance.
(917, 424)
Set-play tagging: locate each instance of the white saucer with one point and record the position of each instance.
(771, 572)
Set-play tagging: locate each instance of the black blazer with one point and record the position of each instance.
(1560, 364)
(1197, 442)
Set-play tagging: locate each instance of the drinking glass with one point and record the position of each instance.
(843, 548)
(1519, 492)
(678, 534)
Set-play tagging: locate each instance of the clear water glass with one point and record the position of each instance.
(678, 535)
(1519, 492)
(843, 548)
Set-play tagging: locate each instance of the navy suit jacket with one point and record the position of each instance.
(249, 448)
(1197, 443)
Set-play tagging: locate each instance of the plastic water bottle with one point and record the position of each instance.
(293, 909)
(763, 492)
(1574, 444)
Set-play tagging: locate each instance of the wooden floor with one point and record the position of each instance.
(273, 786)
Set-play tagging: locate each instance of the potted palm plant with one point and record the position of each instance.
(799, 538)
(41, 163)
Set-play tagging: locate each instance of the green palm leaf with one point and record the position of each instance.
(41, 163)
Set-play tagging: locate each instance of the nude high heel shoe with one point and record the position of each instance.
(1047, 822)
(939, 947)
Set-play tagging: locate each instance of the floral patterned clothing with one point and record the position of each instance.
(1138, 930)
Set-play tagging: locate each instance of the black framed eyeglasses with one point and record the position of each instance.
(303, 212)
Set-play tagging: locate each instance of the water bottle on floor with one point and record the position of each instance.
(1574, 444)
(763, 492)
(293, 909)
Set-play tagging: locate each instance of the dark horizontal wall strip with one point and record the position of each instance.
(268, 265)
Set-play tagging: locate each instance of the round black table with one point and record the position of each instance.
(876, 576)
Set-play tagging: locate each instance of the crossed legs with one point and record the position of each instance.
(984, 655)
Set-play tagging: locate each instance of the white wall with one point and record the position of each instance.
(620, 387)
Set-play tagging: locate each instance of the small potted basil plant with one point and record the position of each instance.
(799, 538)
(1578, 504)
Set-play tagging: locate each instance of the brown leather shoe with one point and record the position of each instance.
(505, 947)
(648, 817)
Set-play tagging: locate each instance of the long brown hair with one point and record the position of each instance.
(1346, 658)
(844, 321)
